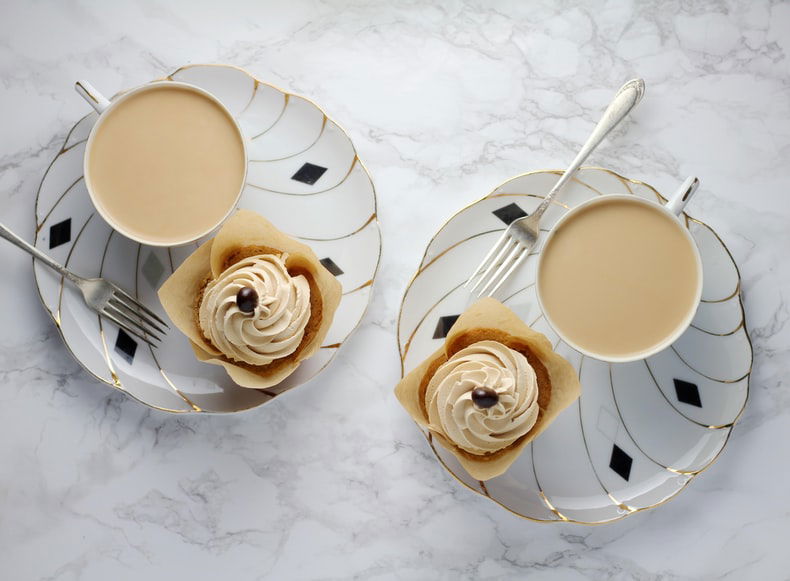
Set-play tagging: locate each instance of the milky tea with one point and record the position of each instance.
(618, 277)
(166, 165)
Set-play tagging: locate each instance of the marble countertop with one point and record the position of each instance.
(332, 481)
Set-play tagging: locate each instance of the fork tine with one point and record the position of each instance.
(485, 280)
(126, 328)
(496, 278)
(493, 264)
(484, 262)
(510, 271)
(147, 320)
(119, 292)
(115, 311)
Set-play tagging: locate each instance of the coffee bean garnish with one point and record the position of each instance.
(484, 397)
(247, 299)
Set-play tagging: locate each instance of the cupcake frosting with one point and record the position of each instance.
(276, 326)
(477, 429)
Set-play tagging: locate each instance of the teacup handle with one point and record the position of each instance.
(92, 96)
(682, 196)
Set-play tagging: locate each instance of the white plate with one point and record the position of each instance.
(640, 431)
(304, 175)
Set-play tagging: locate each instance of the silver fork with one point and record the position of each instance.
(104, 297)
(518, 240)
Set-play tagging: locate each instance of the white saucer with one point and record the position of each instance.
(304, 175)
(640, 431)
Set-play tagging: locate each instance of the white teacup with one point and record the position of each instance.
(154, 176)
(571, 309)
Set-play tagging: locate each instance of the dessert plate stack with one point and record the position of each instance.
(640, 431)
(304, 175)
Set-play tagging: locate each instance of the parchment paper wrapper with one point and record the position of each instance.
(246, 229)
(490, 319)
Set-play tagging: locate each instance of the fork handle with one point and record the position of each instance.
(36, 253)
(626, 99)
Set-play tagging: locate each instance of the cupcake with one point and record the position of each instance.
(252, 300)
(492, 388)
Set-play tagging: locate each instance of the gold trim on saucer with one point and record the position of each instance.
(62, 150)
(255, 85)
(357, 231)
(66, 264)
(340, 183)
(320, 133)
(178, 392)
(692, 420)
(286, 100)
(727, 334)
(365, 284)
(587, 450)
(631, 436)
(55, 205)
(716, 379)
(116, 380)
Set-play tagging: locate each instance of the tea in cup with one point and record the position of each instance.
(166, 162)
(620, 277)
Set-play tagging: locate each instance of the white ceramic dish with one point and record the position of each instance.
(304, 175)
(640, 431)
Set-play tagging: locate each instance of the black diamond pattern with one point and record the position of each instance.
(620, 462)
(125, 346)
(60, 233)
(309, 174)
(509, 213)
(330, 265)
(444, 325)
(687, 392)
(153, 269)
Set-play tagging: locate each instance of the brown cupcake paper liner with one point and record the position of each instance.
(489, 316)
(245, 229)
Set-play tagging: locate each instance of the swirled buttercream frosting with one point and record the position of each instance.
(492, 367)
(275, 327)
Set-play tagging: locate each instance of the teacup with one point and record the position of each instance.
(165, 164)
(620, 277)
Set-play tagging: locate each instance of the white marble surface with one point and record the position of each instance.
(332, 481)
